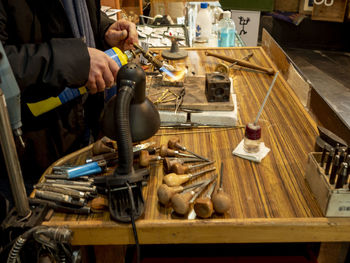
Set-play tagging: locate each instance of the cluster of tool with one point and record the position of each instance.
(180, 189)
(69, 188)
(336, 161)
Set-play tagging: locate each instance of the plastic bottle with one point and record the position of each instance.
(252, 138)
(203, 24)
(231, 31)
(191, 20)
(226, 31)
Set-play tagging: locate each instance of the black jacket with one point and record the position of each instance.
(45, 58)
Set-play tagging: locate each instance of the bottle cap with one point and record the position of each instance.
(227, 14)
(204, 5)
(252, 132)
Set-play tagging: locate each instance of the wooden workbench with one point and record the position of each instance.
(271, 202)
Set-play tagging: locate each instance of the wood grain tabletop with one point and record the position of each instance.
(271, 201)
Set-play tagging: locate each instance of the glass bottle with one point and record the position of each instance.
(252, 138)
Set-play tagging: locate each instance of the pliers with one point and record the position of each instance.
(179, 100)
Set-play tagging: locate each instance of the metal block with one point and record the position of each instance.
(217, 87)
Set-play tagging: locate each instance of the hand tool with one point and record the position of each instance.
(224, 69)
(105, 156)
(99, 203)
(181, 202)
(163, 67)
(174, 179)
(84, 210)
(82, 188)
(180, 99)
(168, 162)
(203, 206)
(324, 150)
(335, 167)
(347, 160)
(266, 97)
(336, 149)
(221, 200)
(73, 193)
(145, 158)
(174, 143)
(165, 151)
(182, 169)
(81, 170)
(241, 62)
(165, 192)
(59, 198)
(342, 155)
(69, 182)
(329, 161)
(104, 145)
(342, 176)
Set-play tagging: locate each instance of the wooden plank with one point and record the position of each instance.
(334, 13)
(290, 72)
(271, 201)
(252, 230)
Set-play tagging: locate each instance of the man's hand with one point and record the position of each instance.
(122, 34)
(103, 71)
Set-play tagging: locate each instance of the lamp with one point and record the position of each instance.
(128, 117)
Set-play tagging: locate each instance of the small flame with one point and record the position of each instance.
(167, 72)
(175, 75)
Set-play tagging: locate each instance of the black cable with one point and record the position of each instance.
(132, 217)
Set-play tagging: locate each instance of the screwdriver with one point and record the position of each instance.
(165, 151)
(221, 200)
(165, 193)
(182, 169)
(203, 206)
(145, 158)
(174, 179)
(181, 202)
(329, 161)
(335, 167)
(174, 143)
(168, 162)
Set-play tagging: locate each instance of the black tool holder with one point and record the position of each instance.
(128, 117)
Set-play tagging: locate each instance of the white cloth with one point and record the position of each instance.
(255, 157)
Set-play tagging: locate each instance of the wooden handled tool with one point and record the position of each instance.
(221, 200)
(241, 62)
(146, 158)
(181, 202)
(174, 143)
(169, 162)
(165, 151)
(165, 193)
(203, 206)
(182, 169)
(174, 179)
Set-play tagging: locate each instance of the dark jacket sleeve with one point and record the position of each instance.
(49, 65)
(57, 63)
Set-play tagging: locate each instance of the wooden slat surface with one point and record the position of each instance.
(271, 201)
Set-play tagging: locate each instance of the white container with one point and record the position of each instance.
(203, 24)
(226, 31)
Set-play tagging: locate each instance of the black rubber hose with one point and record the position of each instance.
(124, 142)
